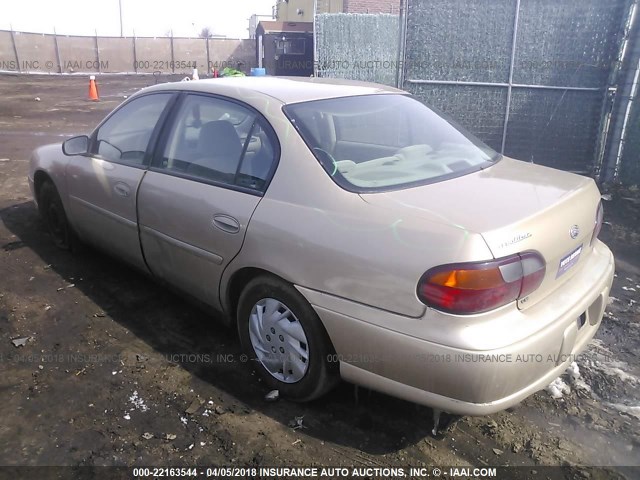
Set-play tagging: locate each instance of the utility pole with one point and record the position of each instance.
(120, 7)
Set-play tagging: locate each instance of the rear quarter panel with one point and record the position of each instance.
(312, 233)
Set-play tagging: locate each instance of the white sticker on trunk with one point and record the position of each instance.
(569, 261)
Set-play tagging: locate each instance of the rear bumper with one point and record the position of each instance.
(398, 355)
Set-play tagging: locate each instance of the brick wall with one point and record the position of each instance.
(372, 6)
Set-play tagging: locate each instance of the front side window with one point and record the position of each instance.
(219, 141)
(386, 142)
(125, 135)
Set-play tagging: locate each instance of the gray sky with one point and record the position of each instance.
(147, 17)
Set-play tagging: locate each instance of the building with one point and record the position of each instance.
(254, 20)
(285, 48)
(302, 10)
(372, 6)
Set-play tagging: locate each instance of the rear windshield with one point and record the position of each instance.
(386, 142)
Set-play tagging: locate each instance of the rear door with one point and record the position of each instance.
(102, 185)
(204, 184)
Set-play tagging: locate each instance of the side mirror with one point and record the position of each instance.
(76, 145)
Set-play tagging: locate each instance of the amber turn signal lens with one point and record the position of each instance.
(476, 287)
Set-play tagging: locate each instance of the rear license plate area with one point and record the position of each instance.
(568, 261)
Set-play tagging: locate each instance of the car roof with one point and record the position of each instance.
(285, 89)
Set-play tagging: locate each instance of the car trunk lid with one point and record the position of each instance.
(516, 207)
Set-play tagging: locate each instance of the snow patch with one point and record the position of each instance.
(137, 402)
(573, 371)
(614, 369)
(633, 410)
(558, 388)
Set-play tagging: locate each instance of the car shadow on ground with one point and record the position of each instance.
(368, 421)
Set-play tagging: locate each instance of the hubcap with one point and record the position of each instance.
(279, 340)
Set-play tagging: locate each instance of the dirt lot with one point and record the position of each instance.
(113, 361)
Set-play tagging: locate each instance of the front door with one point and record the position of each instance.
(102, 186)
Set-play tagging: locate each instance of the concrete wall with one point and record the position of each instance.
(7, 55)
(79, 54)
(35, 52)
(240, 54)
(118, 52)
(44, 53)
(153, 54)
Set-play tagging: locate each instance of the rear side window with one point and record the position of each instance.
(124, 136)
(384, 142)
(219, 141)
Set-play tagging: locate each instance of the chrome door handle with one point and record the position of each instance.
(226, 223)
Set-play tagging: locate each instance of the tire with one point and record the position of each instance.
(54, 216)
(298, 336)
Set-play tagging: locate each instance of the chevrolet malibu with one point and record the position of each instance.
(346, 230)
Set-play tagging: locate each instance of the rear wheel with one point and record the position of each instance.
(53, 214)
(283, 334)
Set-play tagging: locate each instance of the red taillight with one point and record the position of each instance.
(477, 287)
(598, 225)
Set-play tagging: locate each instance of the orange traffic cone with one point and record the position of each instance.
(93, 89)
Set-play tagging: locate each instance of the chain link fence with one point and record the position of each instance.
(538, 80)
(529, 78)
(357, 46)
